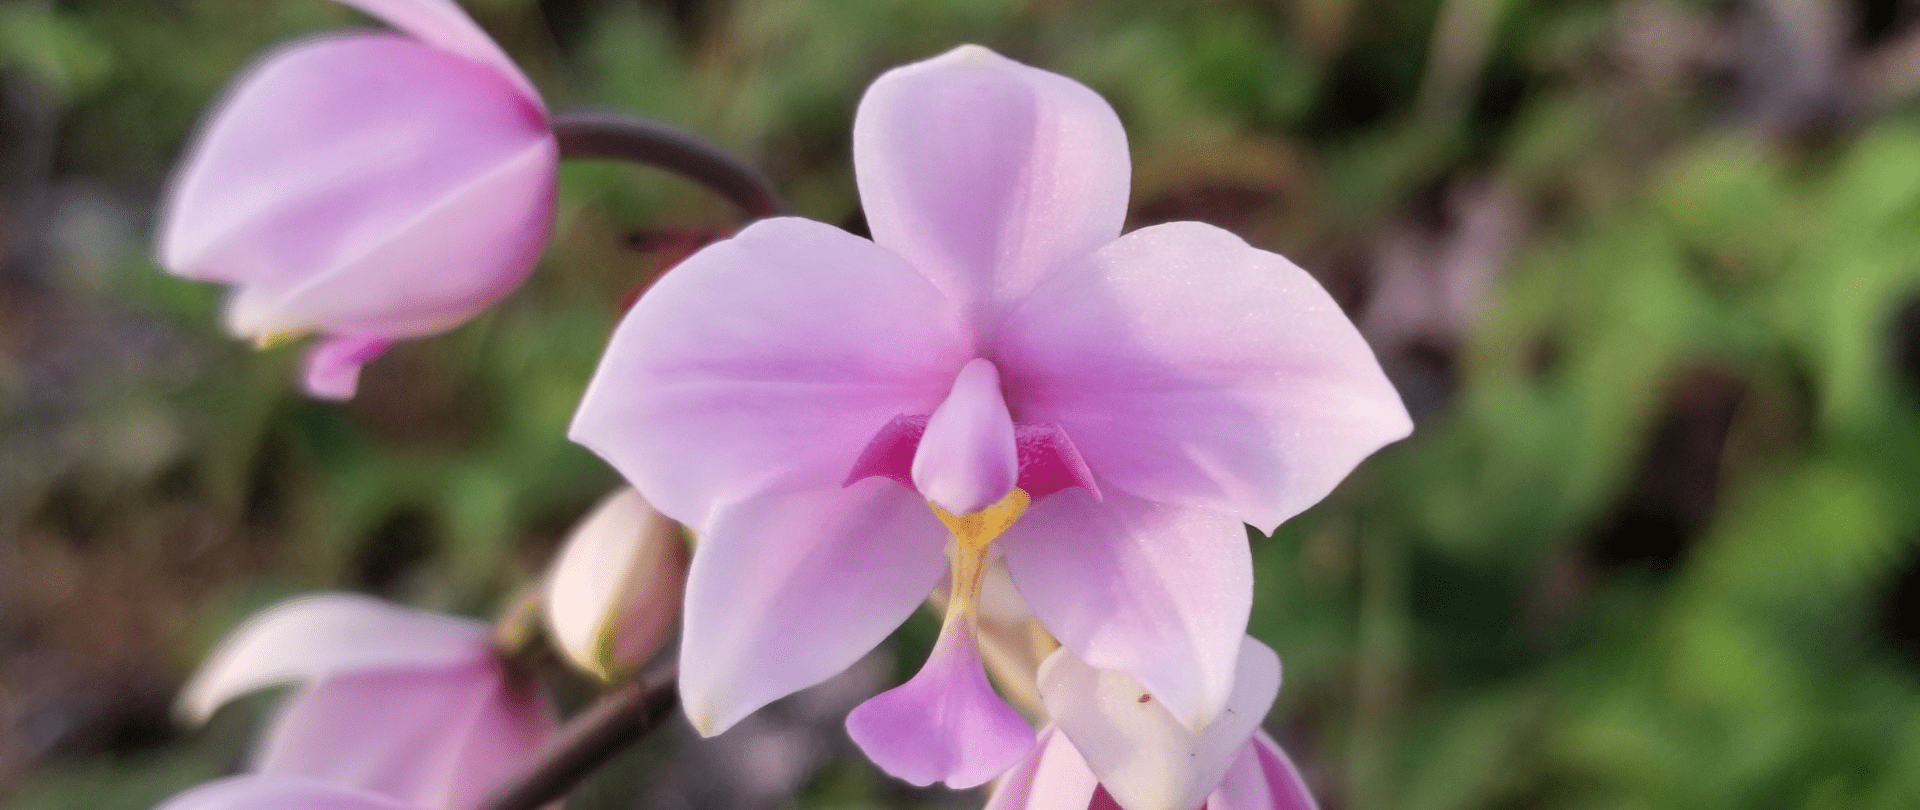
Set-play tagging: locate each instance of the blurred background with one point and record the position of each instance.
(1647, 272)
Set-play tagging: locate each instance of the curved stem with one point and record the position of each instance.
(590, 739)
(617, 136)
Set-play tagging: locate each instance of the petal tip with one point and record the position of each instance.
(945, 724)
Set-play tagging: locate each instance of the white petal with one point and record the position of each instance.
(1144, 756)
(312, 637)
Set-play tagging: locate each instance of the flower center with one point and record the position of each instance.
(973, 533)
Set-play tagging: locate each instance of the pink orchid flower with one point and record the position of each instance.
(401, 703)
(1104, 412)
(1113, 747)
(1056, 777)
(368, 187)
(1143, 756)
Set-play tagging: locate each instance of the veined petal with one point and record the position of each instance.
(278, 792)
(444, 25)
(444, 739)
(1145, 757)
(365, 184)
(314, 637)
(967, 459)
(986, 174)
(788, 590)
(1158, 591)
(1052, 777)
(445, 265)
(333, 364)
(1262, 778)
(766, 364)
(613, 594)
(1190, 368)
(945, 724)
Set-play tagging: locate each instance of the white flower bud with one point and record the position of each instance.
(613, 594)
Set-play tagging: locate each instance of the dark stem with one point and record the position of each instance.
(590, 739)
(617, 136)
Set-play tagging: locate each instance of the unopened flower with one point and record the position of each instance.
(998, 373)
(613, 593)
(405, 704)
(367, 187)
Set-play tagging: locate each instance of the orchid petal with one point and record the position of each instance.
(1157, 591)
(444, 739)
(1262, 778)
(788, 590)
(333, 365)
(613, 594)
(442, 24)
(765, 364)
(967, 459)
(945, 724)
(278, 792)
(987, 174)
(1190, 368)
(363, 184)
(1147, 759)
(1052, 777)
(315, 637)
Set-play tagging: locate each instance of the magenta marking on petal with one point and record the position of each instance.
(890, 454)
(1049, 462)
(1102, 800)
(946, 724)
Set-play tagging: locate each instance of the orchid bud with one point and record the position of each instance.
(367, 187)
(613, 594)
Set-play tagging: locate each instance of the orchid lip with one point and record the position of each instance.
(946, 724)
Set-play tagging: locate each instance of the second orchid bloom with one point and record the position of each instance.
(998, 374)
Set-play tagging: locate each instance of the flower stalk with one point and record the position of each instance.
(588, 134)
(589, 740)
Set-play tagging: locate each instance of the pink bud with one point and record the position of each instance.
(367, 187)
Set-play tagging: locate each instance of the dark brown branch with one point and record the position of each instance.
(589, 740)
(616, 136)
